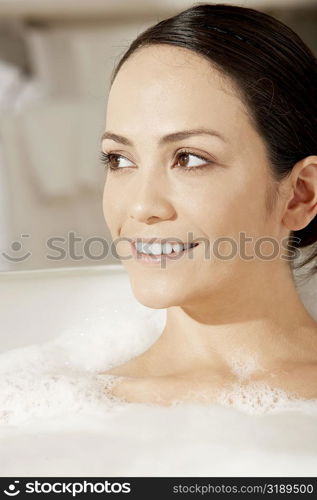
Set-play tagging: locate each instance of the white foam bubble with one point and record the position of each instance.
(54, 392)
(259, 398)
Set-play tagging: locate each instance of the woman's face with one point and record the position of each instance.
(159, 92)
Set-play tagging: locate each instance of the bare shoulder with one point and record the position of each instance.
(300, 376)
(308, 374)
(168, 389)
(137, 382)
(298, 379)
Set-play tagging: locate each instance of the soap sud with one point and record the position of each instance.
(258, 398)
(26, 395)
(56, 387)
(63, 375)
(243, 364)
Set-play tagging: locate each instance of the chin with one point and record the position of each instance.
(155, 299)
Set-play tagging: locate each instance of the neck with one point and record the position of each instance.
(260, 320)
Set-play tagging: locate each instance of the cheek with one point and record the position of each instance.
(230, 208)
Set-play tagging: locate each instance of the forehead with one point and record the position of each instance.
(166, 86)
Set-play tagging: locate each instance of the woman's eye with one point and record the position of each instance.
(196, 162)
(114, 161)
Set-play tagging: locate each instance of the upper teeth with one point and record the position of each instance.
(158, 248)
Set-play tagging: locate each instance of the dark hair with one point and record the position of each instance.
(275, 73)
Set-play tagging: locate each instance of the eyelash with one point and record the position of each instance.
(106, 161)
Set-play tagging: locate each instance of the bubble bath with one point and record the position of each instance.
(58, 418)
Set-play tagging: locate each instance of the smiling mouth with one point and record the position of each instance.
(156, 251)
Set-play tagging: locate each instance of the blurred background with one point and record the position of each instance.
(56, 58)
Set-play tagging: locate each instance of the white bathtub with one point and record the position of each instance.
(36, 305)
(57, 430)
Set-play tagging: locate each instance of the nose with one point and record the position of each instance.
(149, 202)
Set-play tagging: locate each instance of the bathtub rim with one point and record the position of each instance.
(58, 270)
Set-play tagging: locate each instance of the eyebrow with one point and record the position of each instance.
(175, 136)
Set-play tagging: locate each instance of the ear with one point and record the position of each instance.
(302, 202)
